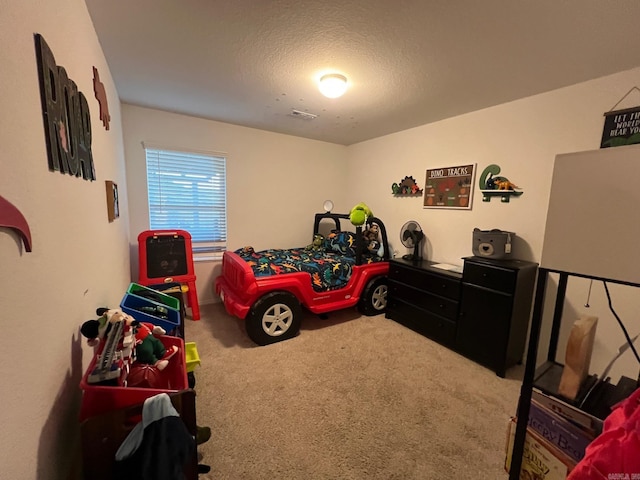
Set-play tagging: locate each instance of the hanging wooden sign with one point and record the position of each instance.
(621, 127)
(449, 187)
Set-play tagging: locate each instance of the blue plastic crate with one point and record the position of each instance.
(146, 310)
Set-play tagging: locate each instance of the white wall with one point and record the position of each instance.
(275, 182)
(523, 138)
(79, 260)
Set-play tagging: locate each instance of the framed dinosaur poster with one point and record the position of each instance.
(450, 187)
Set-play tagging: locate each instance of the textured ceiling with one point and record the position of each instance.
(409, 62)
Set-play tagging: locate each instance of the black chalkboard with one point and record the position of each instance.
(166, 256)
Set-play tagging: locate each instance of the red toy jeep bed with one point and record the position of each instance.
(269, 288)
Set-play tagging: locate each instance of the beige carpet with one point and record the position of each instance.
(350, 398)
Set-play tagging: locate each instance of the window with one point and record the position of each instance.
(187, 191)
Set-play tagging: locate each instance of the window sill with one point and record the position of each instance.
(207, 258)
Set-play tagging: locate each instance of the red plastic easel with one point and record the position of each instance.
(165, 256)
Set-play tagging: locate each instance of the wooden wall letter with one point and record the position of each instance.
(101, 96)
(67, 123)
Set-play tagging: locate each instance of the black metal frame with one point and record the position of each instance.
(532, 352)
(336, 217)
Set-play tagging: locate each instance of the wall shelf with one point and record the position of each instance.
(407, 187)
(505, 195)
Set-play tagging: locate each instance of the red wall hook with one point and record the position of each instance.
(10, 217)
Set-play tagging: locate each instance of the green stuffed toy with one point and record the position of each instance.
(359, 213)
(318, 242)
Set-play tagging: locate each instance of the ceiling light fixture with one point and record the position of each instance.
(333, 85)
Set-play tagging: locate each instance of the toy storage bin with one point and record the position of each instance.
(191, 354)
(176, 291)
(154, 294)
(134, 305)
(98, 399)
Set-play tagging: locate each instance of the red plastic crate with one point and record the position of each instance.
(98, 399)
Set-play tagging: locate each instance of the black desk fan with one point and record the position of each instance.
(411, 236)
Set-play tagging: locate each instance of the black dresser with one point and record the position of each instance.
(482, 313)
(424, 298)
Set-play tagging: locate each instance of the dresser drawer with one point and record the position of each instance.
(426, 323)
(425, 280)
(490, 276)
(425, 300)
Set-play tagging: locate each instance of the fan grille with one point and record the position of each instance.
(411, 235)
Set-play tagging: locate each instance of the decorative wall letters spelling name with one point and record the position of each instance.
(67, 123)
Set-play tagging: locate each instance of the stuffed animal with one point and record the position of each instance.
(317, 244)
(371, 234)
(95, 330)
(370, 240)
(141, 336)
(359, 214)
(149, 349)
(375, 248)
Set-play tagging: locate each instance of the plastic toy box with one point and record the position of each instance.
(154, 294)
(147, 310)
(191, 353)
(98, 399)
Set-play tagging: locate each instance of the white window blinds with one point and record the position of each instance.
(187, 191)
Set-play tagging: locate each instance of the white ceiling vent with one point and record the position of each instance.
(303, 115)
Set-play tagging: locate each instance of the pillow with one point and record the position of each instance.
(341, 242)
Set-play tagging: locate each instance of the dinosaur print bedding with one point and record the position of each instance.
(329, 268)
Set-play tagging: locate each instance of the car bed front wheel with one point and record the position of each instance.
(273, 318)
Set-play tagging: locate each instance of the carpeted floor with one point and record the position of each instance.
(350, 398)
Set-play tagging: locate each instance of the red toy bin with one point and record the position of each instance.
(98, 399)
